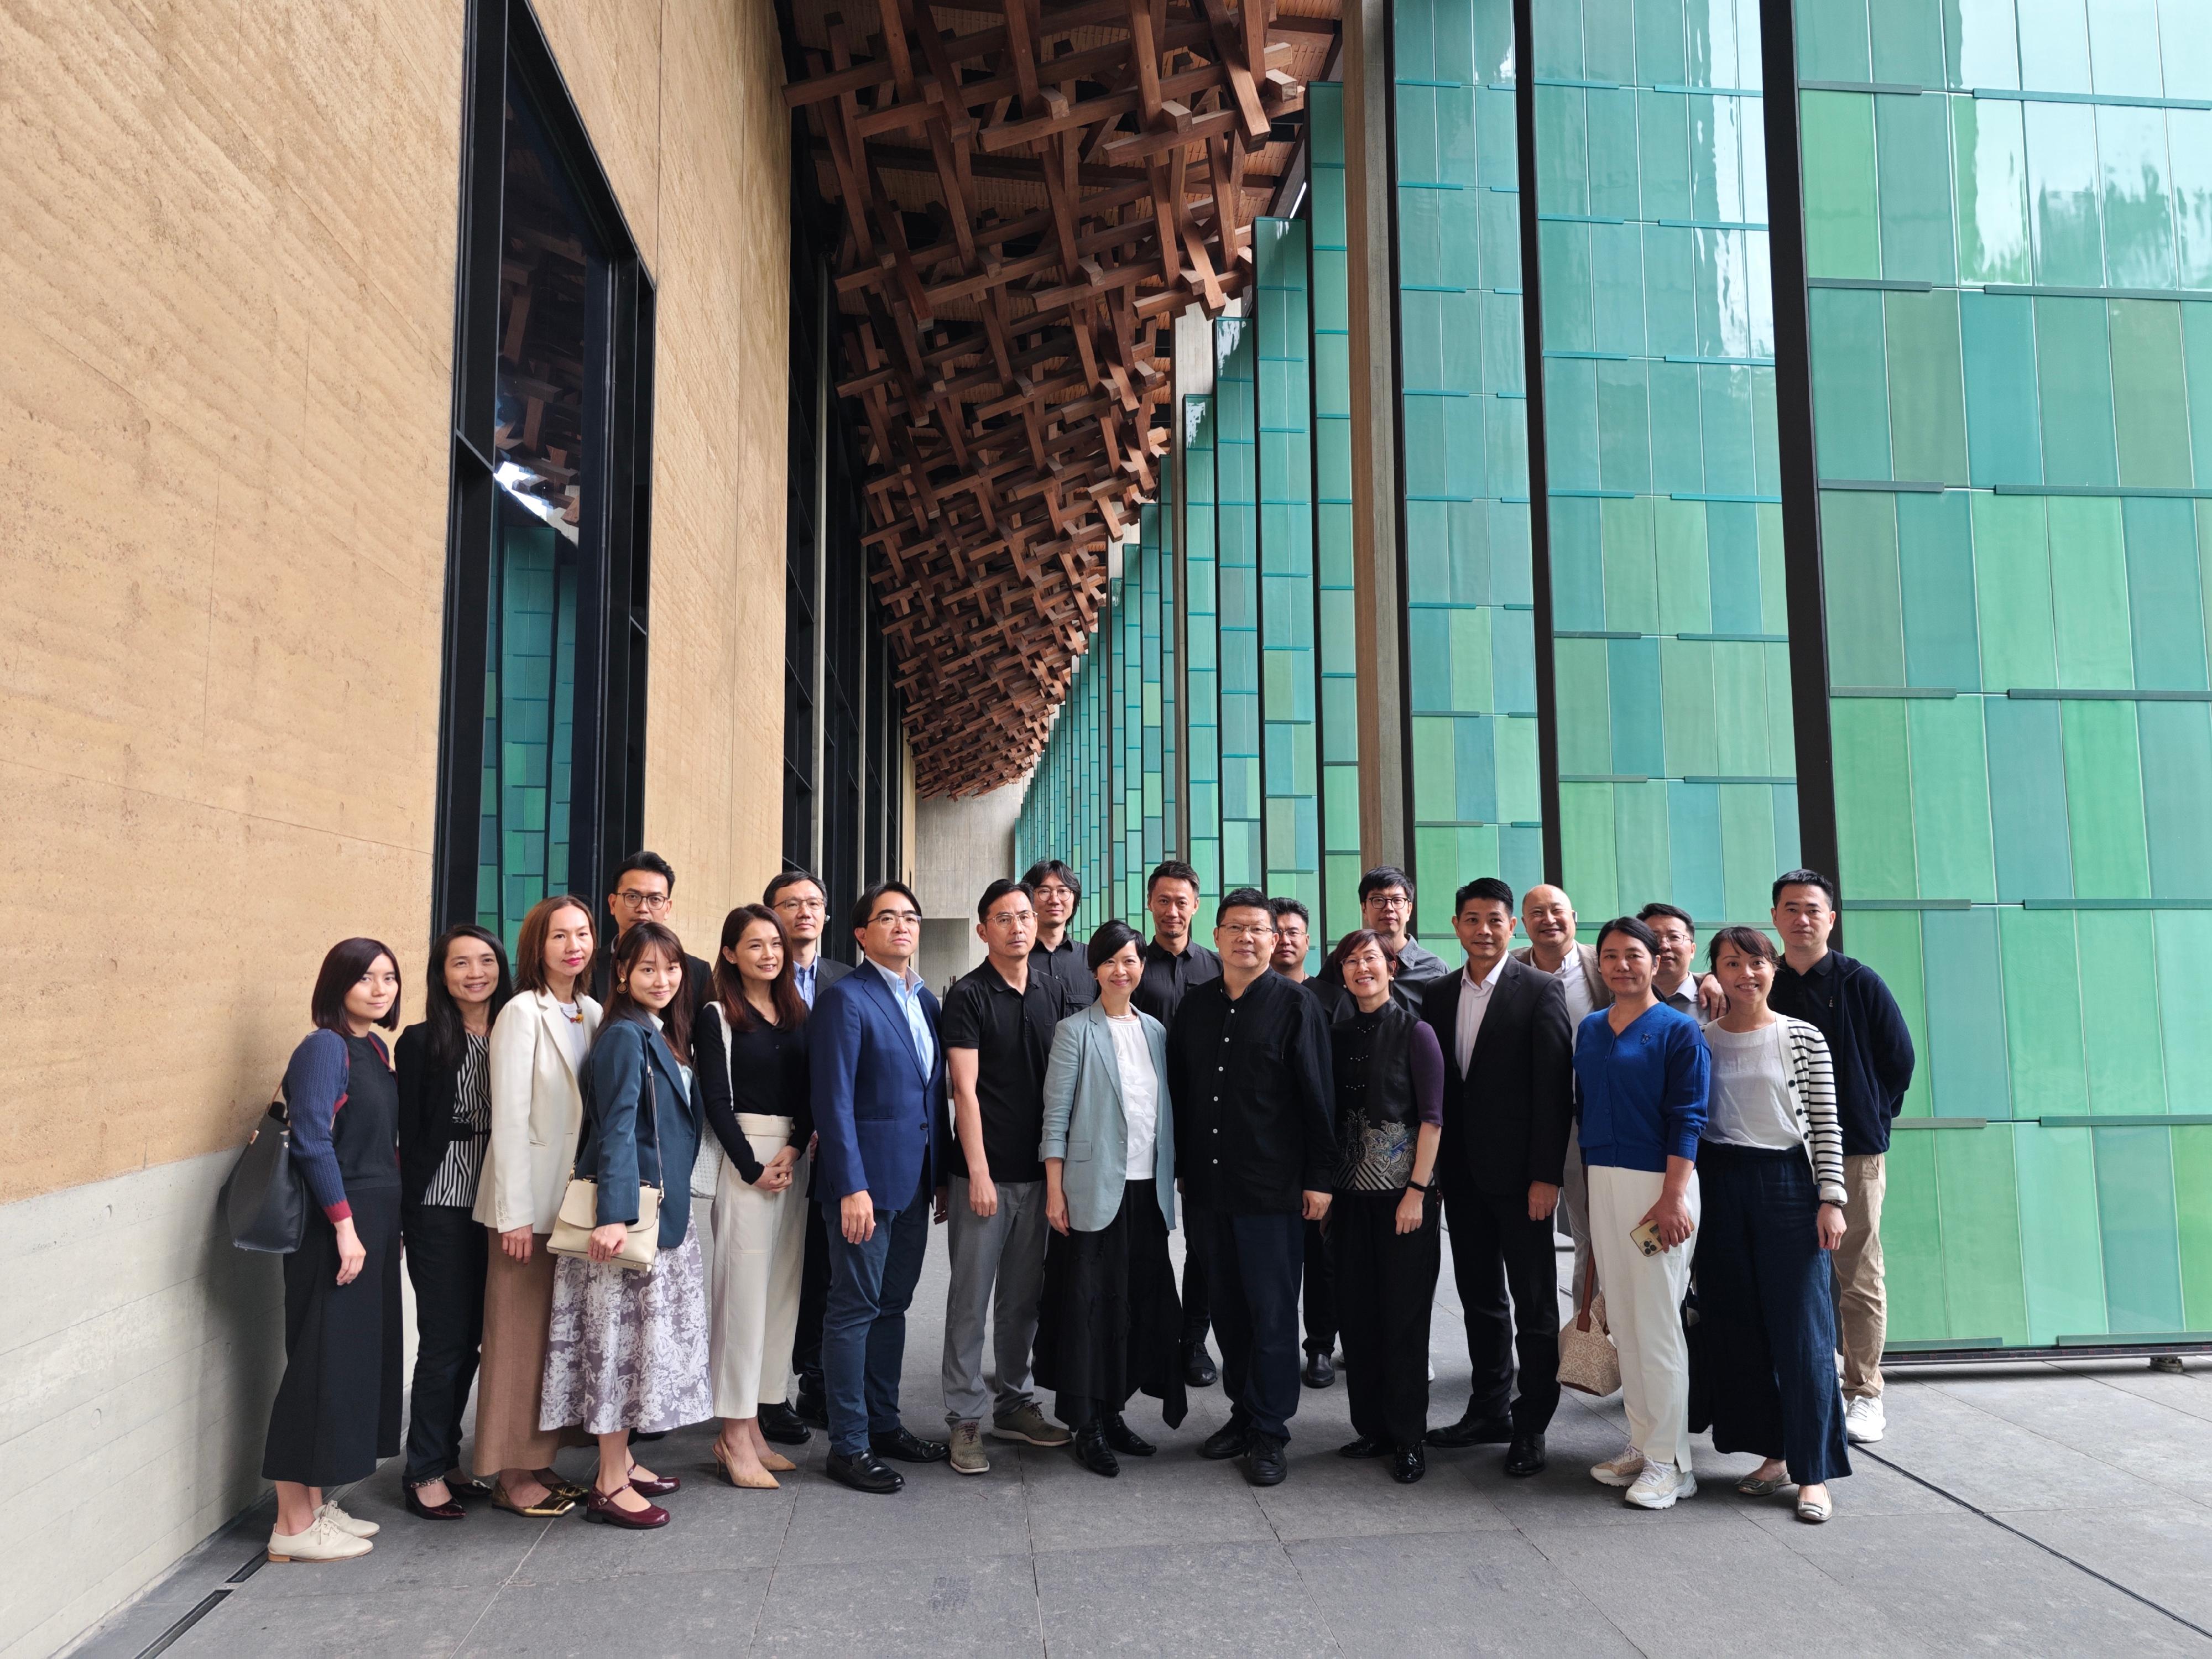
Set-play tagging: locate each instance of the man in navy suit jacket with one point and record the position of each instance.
(878, 1093)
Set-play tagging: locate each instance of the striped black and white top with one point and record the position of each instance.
(461, 1168)
(1808, 1078)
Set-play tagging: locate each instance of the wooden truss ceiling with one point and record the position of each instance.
(1030, 196)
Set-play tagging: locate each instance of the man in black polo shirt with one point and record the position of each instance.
(1254, 1127)
(997, 1025)
(1058, 890)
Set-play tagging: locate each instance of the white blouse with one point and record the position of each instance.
(1139, 1090)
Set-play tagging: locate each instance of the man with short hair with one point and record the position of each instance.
(1872, 1049)
(1318, 1300)
(1173, 964)
(1674, 979)
(878, 1066)
(1547, 916)
(997, 1024)
(1056, 953)
(802, 905)
(1508, 1104)
(1248, 1073)
(1386, 910)
(644, 890)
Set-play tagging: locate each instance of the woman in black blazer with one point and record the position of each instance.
(445, 1122)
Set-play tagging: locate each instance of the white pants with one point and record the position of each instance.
(1643, 1305)
(759, 1248)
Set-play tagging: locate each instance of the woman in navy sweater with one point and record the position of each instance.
(336, 1412)
(1641, 1069)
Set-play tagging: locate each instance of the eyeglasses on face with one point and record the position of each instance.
(633, 898)
(1245, 930)
(800, 906)
(895, 917)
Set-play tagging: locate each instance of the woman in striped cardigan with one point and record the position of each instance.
(1771, 1165)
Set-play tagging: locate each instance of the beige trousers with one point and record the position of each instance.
(752, 1301)
(1862, 1304)
(1643, 1305)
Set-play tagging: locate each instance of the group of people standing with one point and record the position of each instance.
(636, 1189)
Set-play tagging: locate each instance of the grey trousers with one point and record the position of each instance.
(1574, 1198)
(997, 1267)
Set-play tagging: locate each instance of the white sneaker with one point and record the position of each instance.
(1618, 1471)
(322, 1541)
(1863, 1419)
(347, 1523)
(1659, 1484)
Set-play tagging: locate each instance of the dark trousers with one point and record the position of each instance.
(1319, 1301)
(1253, 1266)
(864, 1323)
(1390, 1283)
(446, 1259)
(336, 1412)
(1197, 1249)
(1495, 1248)
(1766, 1328)
(813, 1297)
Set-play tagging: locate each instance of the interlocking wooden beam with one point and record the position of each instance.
(1029, 193)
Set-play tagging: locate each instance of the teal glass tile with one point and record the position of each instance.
(1989, 147)
(2176, 785)
(1927, 396)
(2012, 579)
(2150, 399)
(1935, 563)
(1851, 390)
(1842, 226)
(1952, 839)
(1832, 43)
(1693, 838)
(2189, 148)
(1997, 341)
(2062, 1245)
(1907, 38)
(2119, 1022)
(2032, 858)
(2089, 593)
(1873, 798)
(2166, 599)
(2196, 346)
(2138, 207)
(2185, 50)
(1910, 137)
(2042, 981)
(1865, 602)
(2062, 194)
(2104, 801)
(2123, 54)
(1968, 1056)
(2135, 1206)
(2073, 368)
(1981, 44)
(2054, 46)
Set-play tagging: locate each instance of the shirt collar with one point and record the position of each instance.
(906, 984)
(1160, 952)
(1487, 981)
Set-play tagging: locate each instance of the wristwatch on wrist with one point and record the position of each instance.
(1417, 1186)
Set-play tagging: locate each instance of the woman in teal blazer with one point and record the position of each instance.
(1110, 1324)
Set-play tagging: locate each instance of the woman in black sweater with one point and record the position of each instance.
(750, 1053)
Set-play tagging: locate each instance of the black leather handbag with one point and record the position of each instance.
(265, 1202)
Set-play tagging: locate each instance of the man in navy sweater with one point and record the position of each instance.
(1872, 1054)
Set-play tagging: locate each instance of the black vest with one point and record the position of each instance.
(1374, 1070)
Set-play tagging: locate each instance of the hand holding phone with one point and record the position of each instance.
(1645, 1237)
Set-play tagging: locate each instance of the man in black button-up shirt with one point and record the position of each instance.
(1255, 1125)
(1058, 954)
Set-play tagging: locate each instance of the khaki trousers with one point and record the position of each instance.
(1861, 1307)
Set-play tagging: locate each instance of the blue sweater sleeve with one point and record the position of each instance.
(314, 1083)
(1682, 1102)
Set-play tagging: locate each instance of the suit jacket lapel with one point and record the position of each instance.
(872, 977)
(1101, 1037)
(548, 1011)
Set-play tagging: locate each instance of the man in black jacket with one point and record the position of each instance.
(1249, 1074)
(645, 888)
(1509, 1098)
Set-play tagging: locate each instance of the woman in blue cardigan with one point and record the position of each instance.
(1642, 1069)
(1110, 1323)
(628, 1347)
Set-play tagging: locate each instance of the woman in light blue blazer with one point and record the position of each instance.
(1110, 1324)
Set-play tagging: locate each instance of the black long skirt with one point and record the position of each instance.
(1110, 1324)
(337, 1410)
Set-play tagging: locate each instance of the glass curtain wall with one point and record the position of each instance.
(1236, 602)
(1201, 644)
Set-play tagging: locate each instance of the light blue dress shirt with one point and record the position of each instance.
(804, 978)
(917, 1021)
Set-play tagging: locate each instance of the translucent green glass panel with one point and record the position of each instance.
(530, 695)
(1064, 809)
(1201, 644)
(1236, 599)
(1463, 427)
(2014, 503)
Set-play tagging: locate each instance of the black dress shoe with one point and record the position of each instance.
(1092, 1451)
(1407, 1464)
(1318, 1373)
(1231, 1440)
(780, 1423)
(451, 1510)
(1263, 1463)
(1198, 1371)
(908, 1448)
(1473, 1430)
(812, 1406)
(1366, 1446)
(1526, 1454)
(865, 1472)
(1123, 1438)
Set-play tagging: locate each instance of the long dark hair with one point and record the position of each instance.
(448, 1030)
(676, 1018)
(349, 959)
(730, 985)
(530, 946)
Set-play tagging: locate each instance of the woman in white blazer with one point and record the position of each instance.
(1110, 1323)
(539, 1043)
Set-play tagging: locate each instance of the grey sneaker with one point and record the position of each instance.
(1030, 1424)
(968, 1449)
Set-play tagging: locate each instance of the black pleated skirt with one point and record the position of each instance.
(337, 1410)
(1110, 1324)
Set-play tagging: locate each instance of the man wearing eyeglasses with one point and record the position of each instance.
(1386, 907)
(801, 906)
(644, 890)
(1057, 953)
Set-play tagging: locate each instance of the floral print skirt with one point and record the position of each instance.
(627, 1350)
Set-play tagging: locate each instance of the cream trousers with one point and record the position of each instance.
(759, 1248)
(1643, 1305)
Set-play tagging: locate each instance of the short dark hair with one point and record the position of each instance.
(342, 966)
(1108, 941)
(1241, 898)
(1290, 907)
(784, 879)
(864, 908)
(1173, 870)
(1381, 878)
(1034, 876)
(1656, 909)
(1483, 887)
(1635, 929)
(652, 863)
(1806, 878)
(1358, 939)
(997, 891)
(1749, 940)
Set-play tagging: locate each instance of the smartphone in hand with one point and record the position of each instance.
(1645, 1237)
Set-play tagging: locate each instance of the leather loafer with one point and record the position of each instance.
(1124, 1439)
(865, 1472)
(1407, 1464)
(1198, 1371)
(1319, 1372)
(1092, 1451)
(1366, 1446)
(1473, 1430)
(781, 1425)
(813, 1408)
(1263, 1463)
(1525, 1457)
(1231, 1440)
(908, 1448)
